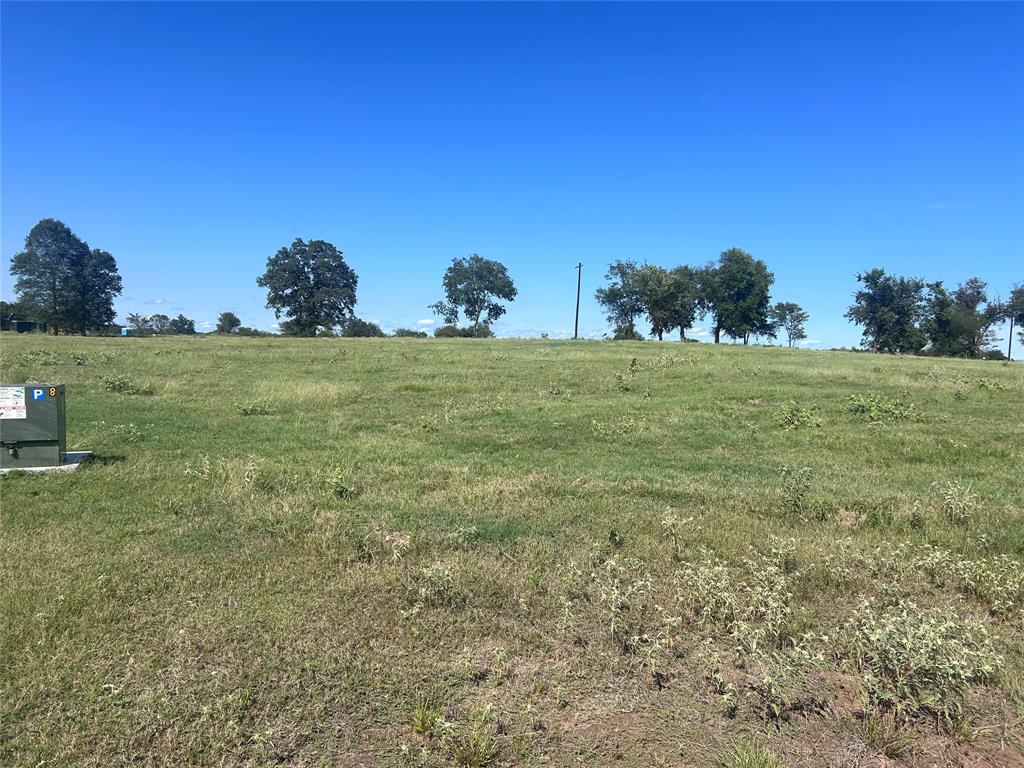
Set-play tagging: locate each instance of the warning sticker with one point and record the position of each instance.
(12, 403)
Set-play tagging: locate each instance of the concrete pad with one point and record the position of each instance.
(71, 461)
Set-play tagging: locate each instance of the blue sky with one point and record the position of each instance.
(193, 140)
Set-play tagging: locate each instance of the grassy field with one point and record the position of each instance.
(402, 552)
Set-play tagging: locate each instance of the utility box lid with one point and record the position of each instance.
(33, 428)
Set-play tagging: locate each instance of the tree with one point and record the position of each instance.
(357, 328)
(98, 284)
(138, 322)
(789, 317)
(161, 324)
(11, 311)
(737, 295)
(890, 309)
(960, 324)
(686, 299)
(472, 285)
(311, 285)
(182, 326)
(228, 322)
(64, 283)
(623, 297)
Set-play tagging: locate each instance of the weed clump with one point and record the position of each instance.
(37, 357)
(796, 416)
(959, 503)
(997, 583)
(880, 410)
(126, 385)
(749, 754)
(258, 406)
(796, 484)
(918, 660)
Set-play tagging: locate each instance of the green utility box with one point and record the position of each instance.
(33, 431)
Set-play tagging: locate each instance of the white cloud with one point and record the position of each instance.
(206, 324)
(425, 322)
(809, 342)
(156, 301)
(700, 332)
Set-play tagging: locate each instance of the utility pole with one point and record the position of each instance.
(579, 282)
(1009, 345)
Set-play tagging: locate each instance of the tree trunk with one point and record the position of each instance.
(718, 335)
(682, 333)
(660, 336)
(1009, 344)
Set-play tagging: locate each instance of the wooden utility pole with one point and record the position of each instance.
(579, 282)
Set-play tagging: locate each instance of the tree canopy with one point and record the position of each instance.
(64, 283)
(889, 308)
(960, 323)
(472, 286)
(623, 297)
(228, 322)
(789, 317)
(737, 292)
(311, 285)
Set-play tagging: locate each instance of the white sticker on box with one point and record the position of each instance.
(12, 403)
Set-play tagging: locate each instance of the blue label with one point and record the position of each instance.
(38, 394)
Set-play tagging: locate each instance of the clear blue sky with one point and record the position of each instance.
(193, 140)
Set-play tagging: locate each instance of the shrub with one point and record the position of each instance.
(472, 332)
(356, 328)
(409, 333)
(916, 660)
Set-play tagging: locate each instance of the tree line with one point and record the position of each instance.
(734, 293)
(71, 287)
(910, 316)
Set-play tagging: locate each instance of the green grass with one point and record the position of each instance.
(285, 547)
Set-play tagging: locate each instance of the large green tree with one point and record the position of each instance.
(737, 292)
(472, 286)
(312, 286)
(63, 282)
(889, 309)
(789, 317)
(670, 298)
(960, 323)
(623, 298)
(228, 322)
(182, 326)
